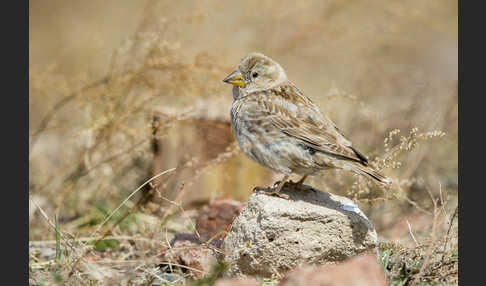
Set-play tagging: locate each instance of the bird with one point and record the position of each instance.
(280, 128)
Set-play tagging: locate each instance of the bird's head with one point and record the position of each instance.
(256, 72)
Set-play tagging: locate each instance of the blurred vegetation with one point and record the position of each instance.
(100, 72)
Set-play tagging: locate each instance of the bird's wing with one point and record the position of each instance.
(285, 108)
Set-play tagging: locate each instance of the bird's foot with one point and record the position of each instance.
(271, 191)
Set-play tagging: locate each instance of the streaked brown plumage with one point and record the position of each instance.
(279, 127)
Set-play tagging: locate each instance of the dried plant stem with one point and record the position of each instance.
(58, 106)
(411, 233)
(430, 249)
(129, 197)
(231, 150)
(114, 211)
(63, 237)
(181, 266)
(451, 221)
(89, 239)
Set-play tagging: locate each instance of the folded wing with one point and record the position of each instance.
(286, 109)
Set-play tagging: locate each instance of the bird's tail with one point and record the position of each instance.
(373, 174)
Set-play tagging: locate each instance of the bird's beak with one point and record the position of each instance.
(235, 78)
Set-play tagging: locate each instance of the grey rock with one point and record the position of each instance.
(271, 235)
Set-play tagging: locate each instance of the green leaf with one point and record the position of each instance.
(58, 240)
(385, 257)
(57, 278)
(103, 245)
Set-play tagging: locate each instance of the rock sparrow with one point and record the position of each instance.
(279, 127)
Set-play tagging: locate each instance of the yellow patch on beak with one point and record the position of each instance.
(235, 78)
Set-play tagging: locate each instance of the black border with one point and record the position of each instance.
(471, 123)
(15, 141)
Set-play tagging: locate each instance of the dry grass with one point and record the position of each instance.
(384, 71)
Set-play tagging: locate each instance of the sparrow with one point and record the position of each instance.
(280, 128)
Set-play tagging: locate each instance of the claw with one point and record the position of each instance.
(275, 189)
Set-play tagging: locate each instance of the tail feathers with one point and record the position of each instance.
(373, 174)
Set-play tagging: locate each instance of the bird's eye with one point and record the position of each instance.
(254, 75)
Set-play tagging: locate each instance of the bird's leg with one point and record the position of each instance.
(276, 192)
(301, 181)
(299, 184)
(279, 188)
(281, 184)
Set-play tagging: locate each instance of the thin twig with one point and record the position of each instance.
(231, 150)
(181, 266)
(129, 197)
(431, 246)
(59, 105)
(451, 221)
(123, 203)
(442, 200)
(89, 239)
(411, 233)
(62, 235)
(179, 205)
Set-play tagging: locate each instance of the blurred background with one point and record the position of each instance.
(123, 90)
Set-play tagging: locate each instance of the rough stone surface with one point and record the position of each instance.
(363, 270)
(272, 235)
